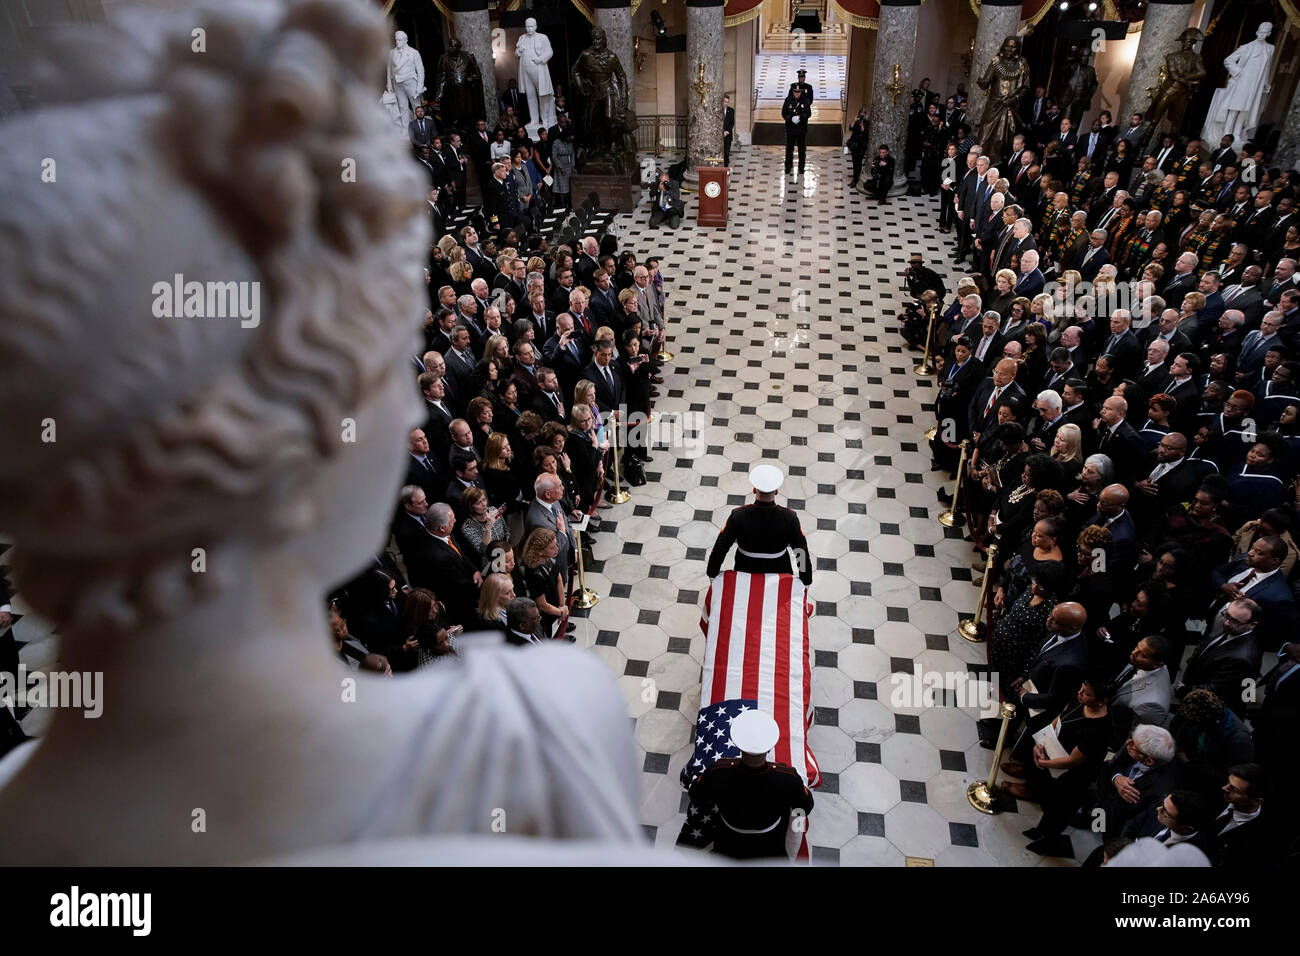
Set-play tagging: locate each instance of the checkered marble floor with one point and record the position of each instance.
(782, 327)
(774, 72)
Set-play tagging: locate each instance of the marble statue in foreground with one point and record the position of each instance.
(213, 475)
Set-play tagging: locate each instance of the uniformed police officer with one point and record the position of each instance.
(754, 796)
(796, 110)
(801, 85)
(763, 533)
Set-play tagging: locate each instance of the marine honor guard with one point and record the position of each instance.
(764, 533)
(755, 797)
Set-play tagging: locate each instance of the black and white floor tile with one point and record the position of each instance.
(786, 349)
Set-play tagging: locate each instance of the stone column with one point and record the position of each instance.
(704, 45)
(895, 46)
(999, 19)
(473, 28)
(615, 18)
(1164, 21)
(1287, 154)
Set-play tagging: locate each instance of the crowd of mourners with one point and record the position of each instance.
(538, 375)
(1117, 402)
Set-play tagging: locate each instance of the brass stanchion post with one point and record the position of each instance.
(972, 628)
(618, 496)
(983, 794)
(925, 368)
(585, 597)
(948, 518)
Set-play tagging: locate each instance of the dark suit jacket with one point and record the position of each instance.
(567, 366)
(450, 576)
(981, 422)
(1154, 785)
(1124, 535)
(608, 397)
(1088, 270)
(1030, 285)
(1057, 675)
(1272, 595)
(1253, 846)
(1223, 667)
(433, 481)
(1176, 288)
(1145, 824)
(1125, 354)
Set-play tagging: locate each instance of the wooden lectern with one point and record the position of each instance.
(715, 184)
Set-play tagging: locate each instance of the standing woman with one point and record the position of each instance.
(563, 158)
(857, 144)
(542, 581)
(586, 456)
(948, 191)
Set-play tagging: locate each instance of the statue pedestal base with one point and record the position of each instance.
(619, 191)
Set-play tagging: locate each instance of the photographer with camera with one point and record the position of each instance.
(666, 203)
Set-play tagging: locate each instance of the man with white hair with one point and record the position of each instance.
(1183, 280)
(1143, 770)
(990, 227)
(1044, 425)
(588, 262)
(1155, 372)
(546, 511)
(1030, 281)
(1122, 348)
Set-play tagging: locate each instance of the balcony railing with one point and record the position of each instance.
(661, 133)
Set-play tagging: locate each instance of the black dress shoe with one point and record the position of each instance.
(1053, 846)
(944, 496)
(1033, 833)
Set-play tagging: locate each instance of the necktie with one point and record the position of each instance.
(453, 547)
(608, 378)
(556, 399)
(1125, 675)
(1248, 579)
(992, 401)
(1163, 835)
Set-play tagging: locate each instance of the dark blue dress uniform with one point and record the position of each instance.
(796, 111)
(762, 533)
(754, 805)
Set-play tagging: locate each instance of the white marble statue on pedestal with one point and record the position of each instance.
(534, 52)
(1235, 107)
(223, 462)
(405, 77)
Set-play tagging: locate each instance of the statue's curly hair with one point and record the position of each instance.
(168, 430)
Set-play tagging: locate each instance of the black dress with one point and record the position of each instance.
(585, 459)
(1018, 634)
(1061, 796)
(543, 582)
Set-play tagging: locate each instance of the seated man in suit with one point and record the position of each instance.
(1184, 816)
(666, 206)
(1142, 687)
(1094, 256)
(1257, 575)
(1122, 347)
(1245, 838)
(1227, 660)
(1141, 774)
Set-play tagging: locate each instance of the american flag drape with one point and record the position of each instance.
(757, 653)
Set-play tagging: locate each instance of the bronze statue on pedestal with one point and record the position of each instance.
(1007, 80)
(458, 88)
(1182, 71)
(608, 120)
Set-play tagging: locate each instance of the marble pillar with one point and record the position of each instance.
(895, 46)
(1161, 27)
(999, 19)
(704, 45)
(615, 18)
(1287, 154)
(473, 28)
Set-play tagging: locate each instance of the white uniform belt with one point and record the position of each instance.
(766, 829)
(765, 556)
